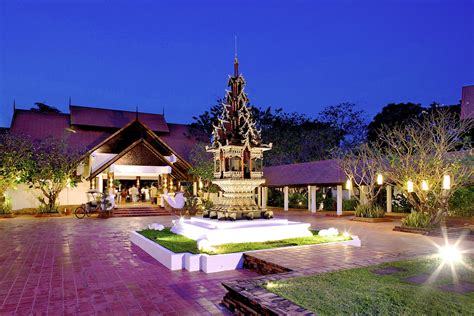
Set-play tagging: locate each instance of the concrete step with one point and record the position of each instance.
(141, 211)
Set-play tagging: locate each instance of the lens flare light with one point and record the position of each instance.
(450, 254)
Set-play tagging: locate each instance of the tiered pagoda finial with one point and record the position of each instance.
(236, 125)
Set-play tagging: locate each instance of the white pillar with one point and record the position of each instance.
(339, 200)
(259, 196)
(285, 198)
(309, 198)
(195, 188)
(264, 197)
(389, 198)
(313, 198)
(100, 187)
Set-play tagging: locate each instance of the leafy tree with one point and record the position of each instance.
(348, 123)
(204, 123)
(44, 108)
(50, 166)
(12, 158)
(296, 137)
(393, 115)
(202, 167)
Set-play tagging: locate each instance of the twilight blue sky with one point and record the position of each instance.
(299, 55)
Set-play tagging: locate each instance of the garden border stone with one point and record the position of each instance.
(207, 263)
(371, 220)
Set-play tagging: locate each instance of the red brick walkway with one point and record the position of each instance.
(68, 266)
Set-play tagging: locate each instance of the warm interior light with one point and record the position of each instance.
(379, 179)
(424, 185)
(450, 253)
(446, 182)
(348, 184)
(410, 186)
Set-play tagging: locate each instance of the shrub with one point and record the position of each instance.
(462, 202)
(275, 198)
(6, 206)
(207, 204)
(297, 200)
(417, 220)
(44, 208)
(369, 211)
(191, 205)
(349, 205)
(401, 204)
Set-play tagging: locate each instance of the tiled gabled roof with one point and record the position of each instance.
(324, 172)
(96, 117)
(43, 125)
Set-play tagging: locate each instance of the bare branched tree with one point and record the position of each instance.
(424, 152)
(362, 166)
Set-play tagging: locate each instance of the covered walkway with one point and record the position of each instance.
(313, 175)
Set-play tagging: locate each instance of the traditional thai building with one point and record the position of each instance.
(131, 147)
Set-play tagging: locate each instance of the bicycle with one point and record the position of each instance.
(102, 205)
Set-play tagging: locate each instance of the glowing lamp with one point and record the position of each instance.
(424, 185)
(446, 182)
(348, 184)
(450, 253)
(200, 184)
(379, 179)
(346, 235)
(410, 186)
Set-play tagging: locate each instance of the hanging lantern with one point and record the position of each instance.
(349, 184)
(379, 179)
(424, 185)
(410, 186)
(446, 182)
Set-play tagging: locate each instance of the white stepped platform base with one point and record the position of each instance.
(204, 262)
(226, 232)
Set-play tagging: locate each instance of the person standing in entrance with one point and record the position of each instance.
(153, 194)
(134, 193)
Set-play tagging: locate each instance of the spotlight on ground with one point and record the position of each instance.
(450, 253)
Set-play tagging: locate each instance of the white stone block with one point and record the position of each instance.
(171, 260)
(225, 262)
(192, 262)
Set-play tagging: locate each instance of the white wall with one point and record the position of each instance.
(24, 197)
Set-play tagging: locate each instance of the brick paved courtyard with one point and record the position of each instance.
(63, 265)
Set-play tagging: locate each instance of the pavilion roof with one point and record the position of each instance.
(97, 117)
(323, 172)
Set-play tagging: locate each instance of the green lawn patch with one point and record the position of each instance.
(178, 243)
(362, 292)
